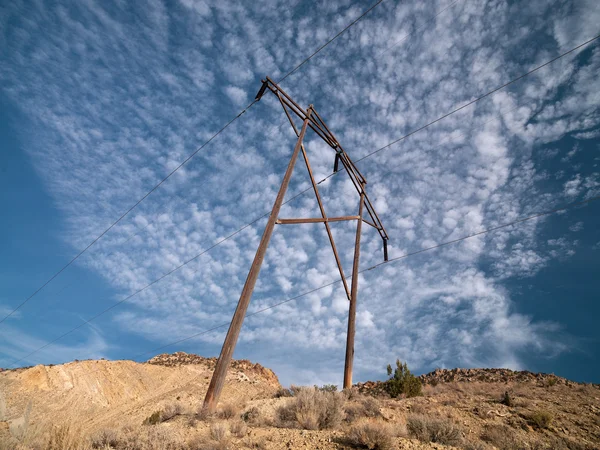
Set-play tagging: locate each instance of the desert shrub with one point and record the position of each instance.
(476, 445)
(370, 434)
(258, 444)
(170, 410)
(238, 428)
(541, 419)
(149, 438)
(64, 438)
(312, 409)
(251, 415)
(507, 399)
(551, 380)
(283, 392)
(328, 388)
(218, 431)
(228, 411)
(152, 419)
(105, 438)
(428, 429)
(351, 394)
(365, 407)
(203, 413)
(501, 436)
(402, 381)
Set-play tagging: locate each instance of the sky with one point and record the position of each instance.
(100, 100)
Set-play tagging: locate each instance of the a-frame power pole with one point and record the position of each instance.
(310, 119)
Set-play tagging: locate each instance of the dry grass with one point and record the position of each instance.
(501, 436)
(312, 409)
(206, 443)
(374, 435)
(149, 438)
(65, 438)
(430, 429)
(105, 438)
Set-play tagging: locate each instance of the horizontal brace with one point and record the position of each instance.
(369, 223)
(315, 220)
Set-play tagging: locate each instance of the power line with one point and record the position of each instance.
(514, 80)
(329, 41)
(180, 166)
(304, 191)
(376, 266)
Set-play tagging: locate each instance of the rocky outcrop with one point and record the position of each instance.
(473, 375)
(242, 365)
(491, 376)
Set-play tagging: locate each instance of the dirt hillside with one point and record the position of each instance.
(99, 394)
(125, 405)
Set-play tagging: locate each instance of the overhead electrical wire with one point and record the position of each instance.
(194, 153)
(391, 260)
(481, 97)
(376, 266)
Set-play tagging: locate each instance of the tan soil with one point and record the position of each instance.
(96, 395)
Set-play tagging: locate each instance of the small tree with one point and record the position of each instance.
(402, 381)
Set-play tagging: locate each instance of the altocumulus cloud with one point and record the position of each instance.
(118, 96)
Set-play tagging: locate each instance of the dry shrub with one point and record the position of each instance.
(238, 428)
(352, 393)
(251, 415)
(476, 445)
(501, 436)
(283, 392)
(312, 409)
(170, 410)
(204, 414)
(105, 438)
(258, 444)
(206, 443)
(65, 438)
(364, 407)
(429, 429)
(541, 419)
(228, 411)
(218, 431)
(149, 438)
(373, 435)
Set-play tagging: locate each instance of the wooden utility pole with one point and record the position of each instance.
(353, 298)
(310, 119)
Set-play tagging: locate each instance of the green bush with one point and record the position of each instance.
(402, 381)
(153, 419)
(541, 419)
(328, 388)
(507, 399)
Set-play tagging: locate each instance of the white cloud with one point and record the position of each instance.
(142, 96)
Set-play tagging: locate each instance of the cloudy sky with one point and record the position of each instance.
(101, 100)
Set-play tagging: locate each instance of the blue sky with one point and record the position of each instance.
(101, 100)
